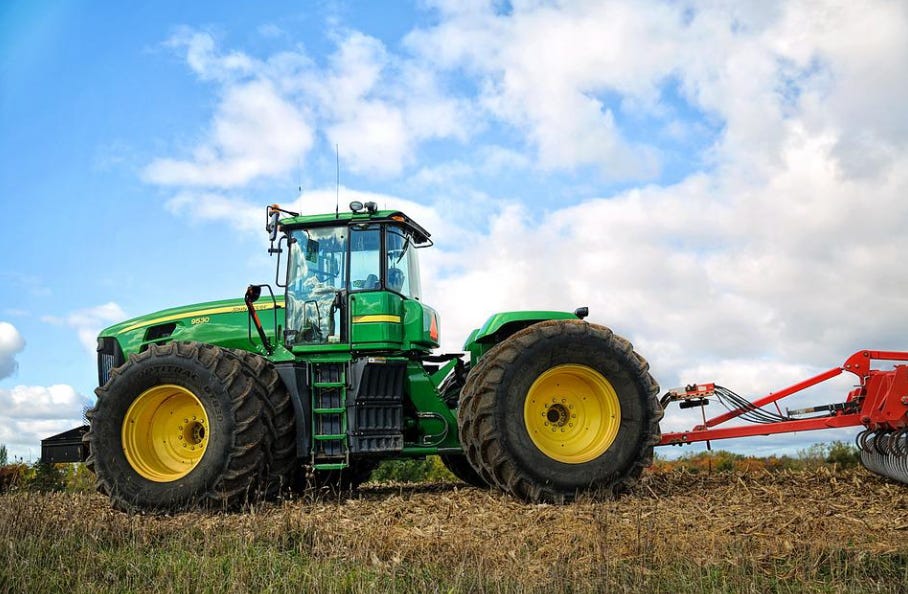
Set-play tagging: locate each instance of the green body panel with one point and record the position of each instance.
(501, 325)
(418, 326)
(224, 323)
(376, 320)
(436, 423)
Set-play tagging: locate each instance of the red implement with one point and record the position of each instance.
(879, 404)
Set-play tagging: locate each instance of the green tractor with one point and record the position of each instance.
(221, 403)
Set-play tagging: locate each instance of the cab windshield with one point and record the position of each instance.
(327, 260)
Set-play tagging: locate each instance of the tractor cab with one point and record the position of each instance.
(352, 280)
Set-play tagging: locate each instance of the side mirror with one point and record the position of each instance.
(253, 292)
(271, 226)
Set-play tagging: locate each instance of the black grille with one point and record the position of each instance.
(382, 382)
(109, 357)
(375, 420)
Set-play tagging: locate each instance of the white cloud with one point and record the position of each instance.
(557, 71)
(59, 401)
(271, 31)
(11, 343)
(29, 414)
(548, 69)
(255, 133)
(89, 322)
(202, 206)
(376, 106)
(203, 57)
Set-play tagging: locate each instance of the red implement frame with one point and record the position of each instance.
(879, 402)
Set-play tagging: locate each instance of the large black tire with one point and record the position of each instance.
(499, 403)
(461, 467)
(235, 444)
(282, 462)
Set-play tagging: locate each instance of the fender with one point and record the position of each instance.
(502, 325)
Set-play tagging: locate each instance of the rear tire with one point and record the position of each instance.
(141, 450)
(560, 407)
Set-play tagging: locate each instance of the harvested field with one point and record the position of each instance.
(823, 530)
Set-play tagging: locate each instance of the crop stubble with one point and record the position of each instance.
(826, 530)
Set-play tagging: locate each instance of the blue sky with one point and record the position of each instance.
(724, 184)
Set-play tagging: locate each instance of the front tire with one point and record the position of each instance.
(179, 426)
(560, 407)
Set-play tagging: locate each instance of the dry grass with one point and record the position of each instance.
(826, 531)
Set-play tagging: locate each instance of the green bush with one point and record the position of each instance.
(3, 454)
(47, 477)
(73, 478)
(840, 454)
(843, 454)
(12, 476)
(430, 469)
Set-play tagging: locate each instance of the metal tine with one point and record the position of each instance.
(885, 453)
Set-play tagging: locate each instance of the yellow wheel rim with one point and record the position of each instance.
(165, 433)
(572, 413)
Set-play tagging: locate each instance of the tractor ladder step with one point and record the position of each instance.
(331, 466)
(330, 437)
(329, 414)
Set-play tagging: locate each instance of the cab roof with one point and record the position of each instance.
(420, 235)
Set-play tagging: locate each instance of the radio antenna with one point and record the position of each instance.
(337, 183)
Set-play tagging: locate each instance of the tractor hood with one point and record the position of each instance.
(224, 323)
